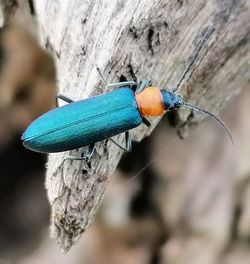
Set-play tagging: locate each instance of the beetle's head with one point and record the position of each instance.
(171, 100)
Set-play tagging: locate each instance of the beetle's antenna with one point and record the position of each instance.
(199, 109)
(208, 33)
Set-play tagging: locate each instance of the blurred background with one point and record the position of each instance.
(182, 201)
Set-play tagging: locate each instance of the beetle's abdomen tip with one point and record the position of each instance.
(26, 134)
(27, 139)
(23, 137)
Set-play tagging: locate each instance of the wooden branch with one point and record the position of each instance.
(134, 40)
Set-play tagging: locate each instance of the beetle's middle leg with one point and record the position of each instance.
(128, 142)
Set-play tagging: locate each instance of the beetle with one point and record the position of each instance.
(101, 117)
(85, 122)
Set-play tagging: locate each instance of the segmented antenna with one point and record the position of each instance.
(208, 33)
(199, 109)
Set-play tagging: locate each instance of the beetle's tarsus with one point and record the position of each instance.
(90, 153)
(85, 155)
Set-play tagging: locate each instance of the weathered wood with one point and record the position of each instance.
(136, 40)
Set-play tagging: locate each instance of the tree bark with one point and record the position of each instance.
(135, 40)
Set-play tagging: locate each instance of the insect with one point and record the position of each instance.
(85, 122)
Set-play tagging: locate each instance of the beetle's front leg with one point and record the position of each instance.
(128, 142)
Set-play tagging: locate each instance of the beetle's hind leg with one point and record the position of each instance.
(85, 155)
(90, 152)
(64, 98)
(128, 142)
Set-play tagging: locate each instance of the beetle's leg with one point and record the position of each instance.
(120, 84)
(85, 155)
(143, 84)
(65, 98)
(134, 85)
(101, 76)
(89, 154)
(128, 142)
(91, 151)
(146, 122)
(114, 85)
